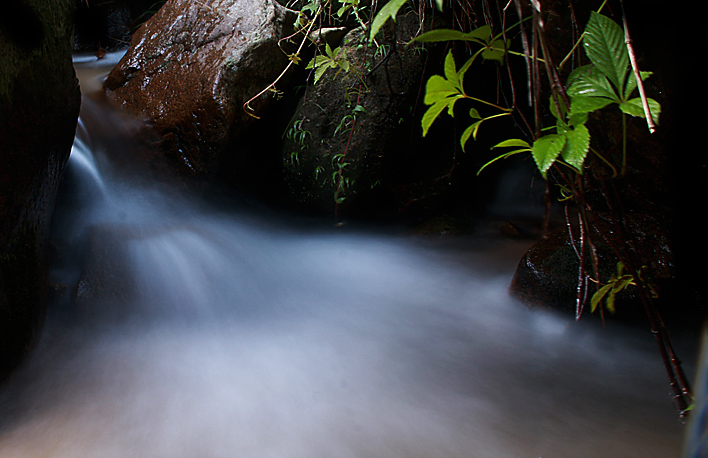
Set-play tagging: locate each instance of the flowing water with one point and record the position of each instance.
(195, 330)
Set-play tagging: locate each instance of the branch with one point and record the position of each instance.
(635, 70)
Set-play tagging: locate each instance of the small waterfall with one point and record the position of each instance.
(217, 330)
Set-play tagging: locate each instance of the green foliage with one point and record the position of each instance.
(492, 46)
(618, 282)
(336, 58)
(443, 91)
(605, 81)
(300, 136)
(389, 11)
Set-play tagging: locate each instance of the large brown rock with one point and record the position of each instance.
(39, 106)
(191, 68)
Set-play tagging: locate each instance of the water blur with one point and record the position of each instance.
(192, 329)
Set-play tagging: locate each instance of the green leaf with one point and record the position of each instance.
(495, 51)
(634, 107)
(432, 114)
(319, 71)
(474, 114)
(598, 296)
(605, 47)
(546, 149)
(577, 119)
(587, 81)
(329, 52)
(622, 282)
(554, 106)
(582, 104)
(450, 70)
(480, 35)
(513, 142)
(438, 88)
(576, 147)
(502, 156)
(471, 130)
(610, 303)
(389, 10)
(467, 133)
(632, 83)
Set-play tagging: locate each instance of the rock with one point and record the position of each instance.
(39, 106)
(350, 129)
(191, 68)
(547, 275)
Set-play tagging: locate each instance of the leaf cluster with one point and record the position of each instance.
(332, 58)
(605, 81)
(618, 282)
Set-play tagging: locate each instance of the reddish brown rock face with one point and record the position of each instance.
(191, 68)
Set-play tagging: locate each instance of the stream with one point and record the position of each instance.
(213, 328)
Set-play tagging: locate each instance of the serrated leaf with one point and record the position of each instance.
(438, 88)
(432, 114)
(319, 71)
(634, 107)
(328, 51)
(389, 10)
(561, 126)
(576, 147)
(450, 70)
(513, 142)
(582, 104)
(545, 151)
(590, 82)
(604, 44)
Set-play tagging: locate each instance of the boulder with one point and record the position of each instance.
(352, 142)
(547, 275)
(190, 70)
(39, 106)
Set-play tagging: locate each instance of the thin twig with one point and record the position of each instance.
(246, 106)
(635, 70)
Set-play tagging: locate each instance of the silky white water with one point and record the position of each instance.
(195, 330)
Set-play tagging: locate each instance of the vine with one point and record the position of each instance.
(562, 151)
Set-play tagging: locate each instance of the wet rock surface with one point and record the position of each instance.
(191, 68)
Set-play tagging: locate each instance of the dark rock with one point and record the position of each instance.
(351, 127)
(39, 106)
(191, 68)
(547, 275)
